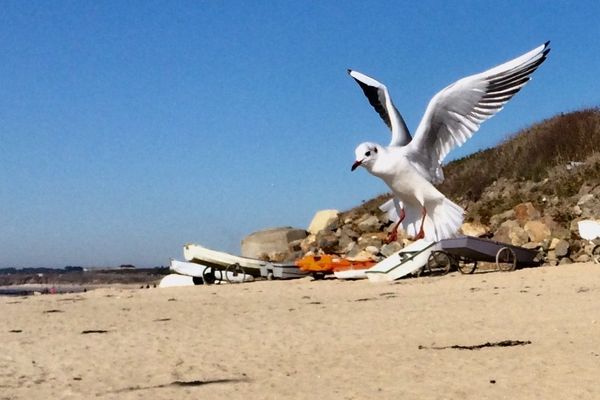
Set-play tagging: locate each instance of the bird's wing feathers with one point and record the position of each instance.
(381, 101)
(456, 112)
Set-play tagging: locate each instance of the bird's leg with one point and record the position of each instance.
(393, 236)
(421, 233)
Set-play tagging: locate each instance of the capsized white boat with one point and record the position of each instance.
(198, 270)
(176, 280)
(351, 274)
(251, 266)
(402, 263)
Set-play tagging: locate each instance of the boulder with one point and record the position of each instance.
(271, 241)
(562, 248)
(322, 220)
(565, 261)
(553, 243)
(344, 242)
(476, 229)
(525, 212)
(372, 250)
(327, 241)
(369, 223)
(390, 248)
(511, 232)
(585, 198)
(583, 258)
(350, 248)
(498, 219)
(371, 239)
(348, 231)
(309, 243)
(537, 231)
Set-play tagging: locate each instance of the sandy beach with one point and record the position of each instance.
(307, 339)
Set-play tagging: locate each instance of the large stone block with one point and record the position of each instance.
(537, 231)
(322, 220)
(271, 241)
(476, 229)
(525, 212)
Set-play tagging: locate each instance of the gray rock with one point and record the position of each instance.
(309, 243)
(350, 248)
(370, 239)
(369, 224)
(500, 218)
(347, 230)
(344, 242)
(562, 248)
(390, 248)
(585, 198)
(296, 245)
(372, 249)
(565, 261)
(327, 241)
(354, 251)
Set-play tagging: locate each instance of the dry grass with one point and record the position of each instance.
(528, 155)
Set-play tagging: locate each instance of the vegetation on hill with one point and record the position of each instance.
(531, 154)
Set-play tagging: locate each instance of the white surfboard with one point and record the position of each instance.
(402, 263)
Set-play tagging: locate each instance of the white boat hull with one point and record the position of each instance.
(402, 263)
(350, 274)
(197, 270)
(221, 260)
(176, 280)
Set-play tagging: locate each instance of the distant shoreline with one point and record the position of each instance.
(30, 290)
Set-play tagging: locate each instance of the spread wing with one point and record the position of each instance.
(455, 113)
(381, 101)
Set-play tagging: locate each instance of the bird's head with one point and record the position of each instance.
(366, 155)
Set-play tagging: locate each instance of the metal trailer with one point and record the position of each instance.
(463, 253)
(216, 273)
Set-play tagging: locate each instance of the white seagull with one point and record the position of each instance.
(410, 167)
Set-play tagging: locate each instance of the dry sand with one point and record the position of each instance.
(308, 339)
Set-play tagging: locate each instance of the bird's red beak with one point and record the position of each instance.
(356, 165)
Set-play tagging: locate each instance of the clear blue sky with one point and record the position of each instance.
(128, 129)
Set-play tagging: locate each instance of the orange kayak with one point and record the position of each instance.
(330, 263)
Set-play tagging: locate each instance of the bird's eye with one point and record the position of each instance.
(368, 153)
(375, 149)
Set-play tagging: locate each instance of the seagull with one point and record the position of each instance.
(411, 166)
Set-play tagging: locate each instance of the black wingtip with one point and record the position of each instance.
(547, 48)
(349, 71)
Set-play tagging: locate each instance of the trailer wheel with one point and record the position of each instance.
(506, 260)
(466, 266)
(234, 270)
(208, 275)
(596, 254)
(439, 262)
(317, 276)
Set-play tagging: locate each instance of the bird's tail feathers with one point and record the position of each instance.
(446, 219)
(441, 222)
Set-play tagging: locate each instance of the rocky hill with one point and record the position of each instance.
(530, 191)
